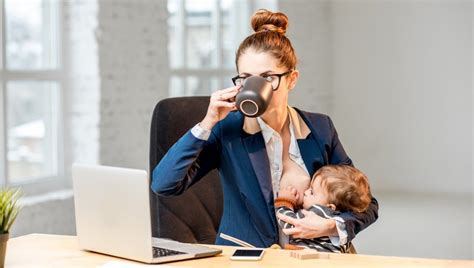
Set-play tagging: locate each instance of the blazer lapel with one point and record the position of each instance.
(255, 146)
(311, 154)
(310, 149)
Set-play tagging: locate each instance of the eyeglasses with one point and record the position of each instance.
(274, 79)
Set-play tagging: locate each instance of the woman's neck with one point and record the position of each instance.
(276, 119)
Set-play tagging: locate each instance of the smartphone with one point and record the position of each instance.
(250, 254)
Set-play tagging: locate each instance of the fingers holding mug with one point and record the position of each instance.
(227, 94)
(221, 103)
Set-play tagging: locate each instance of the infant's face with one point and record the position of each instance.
(315, 195)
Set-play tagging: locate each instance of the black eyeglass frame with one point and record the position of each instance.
(277, 75)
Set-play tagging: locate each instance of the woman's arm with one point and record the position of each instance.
(191, 157)
(313, 226)
(185, 163)
(356, 222)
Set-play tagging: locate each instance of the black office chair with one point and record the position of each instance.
(195, 215)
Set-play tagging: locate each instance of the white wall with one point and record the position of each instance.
(82, 88)
(51, 213)
(403, 107)
(309, 31)
(133, 62)
(402, 88)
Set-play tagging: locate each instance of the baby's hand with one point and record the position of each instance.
(290, 193)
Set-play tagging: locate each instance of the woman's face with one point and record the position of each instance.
(253, 63)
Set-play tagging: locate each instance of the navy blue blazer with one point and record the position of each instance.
(242, 162)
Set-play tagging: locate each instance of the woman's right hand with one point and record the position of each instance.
(222, 102)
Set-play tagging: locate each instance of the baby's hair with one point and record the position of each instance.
(346, 186)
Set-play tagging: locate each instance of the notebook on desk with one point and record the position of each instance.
(112, 211)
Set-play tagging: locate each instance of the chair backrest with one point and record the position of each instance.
(195, 215)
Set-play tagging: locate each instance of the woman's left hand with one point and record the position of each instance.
(311, 226)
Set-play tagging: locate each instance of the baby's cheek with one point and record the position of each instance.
(306, 202)
(309, 200)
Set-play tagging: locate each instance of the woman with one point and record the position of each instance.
(255, 155)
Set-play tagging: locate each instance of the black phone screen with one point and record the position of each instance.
(247, 253)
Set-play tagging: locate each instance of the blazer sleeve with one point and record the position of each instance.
(185, 163)
(355, 222)
(337, 155)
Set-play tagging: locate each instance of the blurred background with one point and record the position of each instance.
(80, 78)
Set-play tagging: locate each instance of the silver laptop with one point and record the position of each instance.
(113, 217)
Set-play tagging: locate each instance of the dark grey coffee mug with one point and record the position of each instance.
(254, 97)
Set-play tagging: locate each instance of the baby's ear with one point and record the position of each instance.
(331, 206)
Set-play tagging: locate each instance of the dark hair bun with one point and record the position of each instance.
(265, 20)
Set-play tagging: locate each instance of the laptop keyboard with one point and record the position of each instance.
(163, 252)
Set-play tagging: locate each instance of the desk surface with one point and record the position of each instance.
(40, 250)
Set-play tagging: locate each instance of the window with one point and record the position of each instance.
(203, 38)
(30, 93)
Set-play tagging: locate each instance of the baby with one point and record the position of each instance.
(333, 189)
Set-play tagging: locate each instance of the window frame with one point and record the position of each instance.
(217, 69)
(39, 184)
